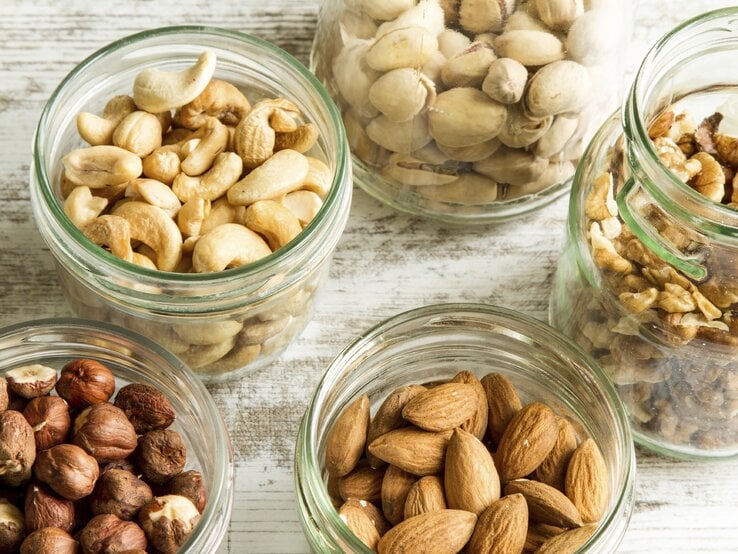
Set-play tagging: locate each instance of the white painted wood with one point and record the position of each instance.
(385, 263)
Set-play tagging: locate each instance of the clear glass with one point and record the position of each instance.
(676, 367)
(436, 342)
(136, 359)
(196, 316)
(470, 112)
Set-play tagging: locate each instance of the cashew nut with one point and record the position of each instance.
(272, 220)
(222, 212)
(96, 130)
(157, 91)
(319, 177)
(152, 226)
(213, 137)
(226, 170)
(254, 138)
(284, 172)
(199, 356)
(304, 204)
(221, 100)
(192, 215)
(142, 260)
(302, 139)
(114, 232)
(228, 245)
(259, 331)
(82, 208)
(205, 333)
(239, 356)
(162, 164)
(283, 121)
(155, 193)
(101, 166)
(139, 132)
(176, 136)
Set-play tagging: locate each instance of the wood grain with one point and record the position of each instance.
(386, 262)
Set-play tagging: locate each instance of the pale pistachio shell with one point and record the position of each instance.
(468, 68)
(409, 170)
(408, 47)
(560, 87)
(430, 153)
(591, 39)
(401, 94)
(354, 24)
(432, 68)
(473, 153)
(465, 117)
(481, 16)
(452, 42)
(554, 173)
(427, 14)
(520, 130)
(559, 14)
(468, 189)
(384, 10)
(354, 77)
(361, 145)
(505, 81)
(512, 167)
(399, 137)
(556, 137)
(530, 48)
(523, 21)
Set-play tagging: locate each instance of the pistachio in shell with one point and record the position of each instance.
(465, 116)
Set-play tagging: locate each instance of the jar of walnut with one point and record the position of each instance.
(649, 280)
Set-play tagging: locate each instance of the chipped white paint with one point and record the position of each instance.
(385, 263)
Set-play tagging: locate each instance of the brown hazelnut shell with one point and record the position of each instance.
(31, 381)
(105, 433)
(17, 448)
(120, 493)
(4, 394)
(109, 533)
(12, 528)
(85, 382)
(43, 508)
(49, 539)
(68, 470)
(189, 484)
(164, 534)
(49, 417)
(160, 455)
(146, 407)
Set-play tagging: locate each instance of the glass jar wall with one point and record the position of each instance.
(648, 283)
(468, 111)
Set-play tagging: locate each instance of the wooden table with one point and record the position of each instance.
(385, 263)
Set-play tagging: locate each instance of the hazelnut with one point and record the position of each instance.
(120, 493)
(12, 528)
(17, 448)
(146, 407)
(4, 397)
(126, 465)
(105, 433)
(67, 469)
(45, 509)
(83, 383)
(160, 455)
(108, 533)
(31, 381)
(49, 540)
(189, 484)
(50, 420)
(167, 521)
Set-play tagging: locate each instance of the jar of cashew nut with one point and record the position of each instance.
(470, 111)
(192, 184)
(648, 283)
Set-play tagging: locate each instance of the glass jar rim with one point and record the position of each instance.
(309, 474)
(220, 497)
(132, 271)
(715, 220)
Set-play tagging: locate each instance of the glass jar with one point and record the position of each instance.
(648, 283)
(466, 111)
(136, 359)
(221, 324)
(434, 343)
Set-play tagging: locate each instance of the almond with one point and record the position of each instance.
(503, 403)
(588, 482)
(416, 451)
(502, 527)
(568, 542)
(470, 477)
(538, 533)
(552, 470)
(389, 416)
(425, 496)
(527, 440)
(346, 440)
(395, 487)
(360, 524)
(332, 486)
(444, 532)
(363, 483)
(372, 512)
(545, 503)
(476, 424)
(441, 408)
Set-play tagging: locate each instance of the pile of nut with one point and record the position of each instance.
(78, 472)
(469, 101)
(670, 341)
(417, 477)
(217, 185)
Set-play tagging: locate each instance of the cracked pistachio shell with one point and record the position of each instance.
(409, 47)
(401, 94)
(553, 174)
(432, 68)
(452, 42)
(591, 40)
(355, 24)
(530, 48)
(555, 139)
(353, 76)
(362, 146)
(520, 130)
(399, 137)
(384, 10)
(426, 14)
(473, 153)
(512, 166)
(468, 68)
(559, 14)
(468, 189)
(523, 21)
(482, 16)
(505, 81)
(410, 170)
(465, 117)
(560, 87)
